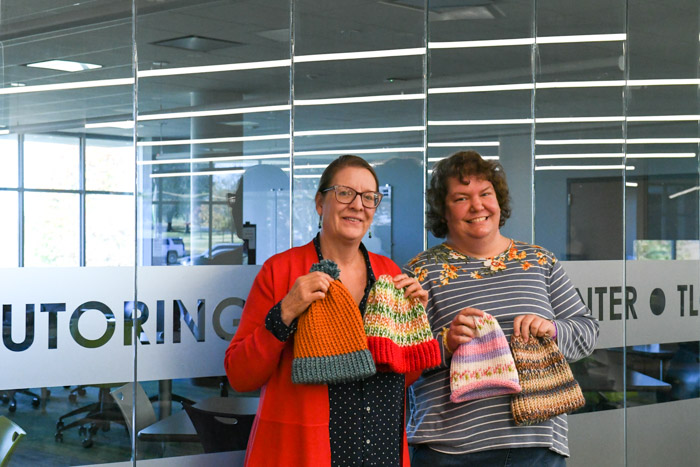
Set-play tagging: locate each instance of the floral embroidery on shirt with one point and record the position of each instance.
(446, 257)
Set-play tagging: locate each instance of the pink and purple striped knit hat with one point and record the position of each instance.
(484, 366)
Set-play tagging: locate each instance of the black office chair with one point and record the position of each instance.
(220, 432)
(9, 397)
(92, 417)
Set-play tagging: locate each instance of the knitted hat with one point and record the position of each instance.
(398, 333)
(330, 345)
(549, 387)
(483, 367)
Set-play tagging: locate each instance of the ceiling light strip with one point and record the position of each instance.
(505, 121)
(215, 68)
(201, 160)
(359, 55)
(213, 113)
(585, 167)
(359, 99)
(664, 118)
(459, 144)
(360, 131)
(564, 142)
(195, 174)
(661, 155)
(68, 86)
(358, 151)
(212, 140)
(684, 192)
(528, 41)
(603, 155)
(437, 159)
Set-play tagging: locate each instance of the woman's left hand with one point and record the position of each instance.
(533, 325)
(413, 288)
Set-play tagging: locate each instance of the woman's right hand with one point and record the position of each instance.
(462, 328)
(306, 290)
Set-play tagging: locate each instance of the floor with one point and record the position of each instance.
(40, 448)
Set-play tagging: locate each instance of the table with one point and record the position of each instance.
(178, 426)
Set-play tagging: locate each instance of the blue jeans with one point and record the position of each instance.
(423, 456)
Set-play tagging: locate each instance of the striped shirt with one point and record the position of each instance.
(524, 279)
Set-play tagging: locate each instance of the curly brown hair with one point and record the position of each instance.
(463, 164)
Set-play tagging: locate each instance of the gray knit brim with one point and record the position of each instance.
(352, 366)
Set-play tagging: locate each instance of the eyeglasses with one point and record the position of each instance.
(346, 195)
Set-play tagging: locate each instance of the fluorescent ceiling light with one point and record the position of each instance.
(359, 55)
(64, 65)
(357, 151)
(664, 82)
(684, 192)
(234, 139)
(201, 160)
(359, 131)
(125, 124)
(213, 113)
(565, 142)
(214, 68)
(4, 132)
(579, 119)
(529, 41)
(360, 99)
(66, 86)
(307, 176)
(664, 118)
(197, 174)
(505, 121)
(459, 144)
(486, 88)
(602, 155)
(661, 155)
(437, 159)
(309, 166)
(632, 184)
(585, 167)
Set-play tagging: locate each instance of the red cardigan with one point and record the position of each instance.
(291, 426)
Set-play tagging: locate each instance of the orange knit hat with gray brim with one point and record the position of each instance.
(330, 345)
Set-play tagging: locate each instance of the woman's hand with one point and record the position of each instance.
(533, 325)
(462, 328)
(306, 290)
(413, 289)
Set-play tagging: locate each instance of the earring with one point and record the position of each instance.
(370, 231)
(320, 222)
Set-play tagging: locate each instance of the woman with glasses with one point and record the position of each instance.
(344, 424)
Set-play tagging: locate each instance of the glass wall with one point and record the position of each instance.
(178, 134)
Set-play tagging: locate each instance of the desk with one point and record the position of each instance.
(178, 427)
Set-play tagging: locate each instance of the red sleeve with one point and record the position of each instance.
(254, 352)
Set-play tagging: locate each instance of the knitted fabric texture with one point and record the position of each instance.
(330, 345)
(397, 329)
(549, 387)
(483, 367)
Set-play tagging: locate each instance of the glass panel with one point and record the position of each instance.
(368, 106)
(579, 202)
(51, 162)
(109, 229)
(661, 199)
(213, 158)
(8, 161)
(8, 235)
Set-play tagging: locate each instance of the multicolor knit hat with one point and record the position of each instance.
(330, 345)
(483, 367)
(398, 333)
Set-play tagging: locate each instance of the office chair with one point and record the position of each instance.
(10, 435)
(220, 432)
(97, 416)
(9, 397)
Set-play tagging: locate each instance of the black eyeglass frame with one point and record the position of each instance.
(377, 195)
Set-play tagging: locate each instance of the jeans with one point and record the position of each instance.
(423, 456)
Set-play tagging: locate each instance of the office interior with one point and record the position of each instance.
(154, 153)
